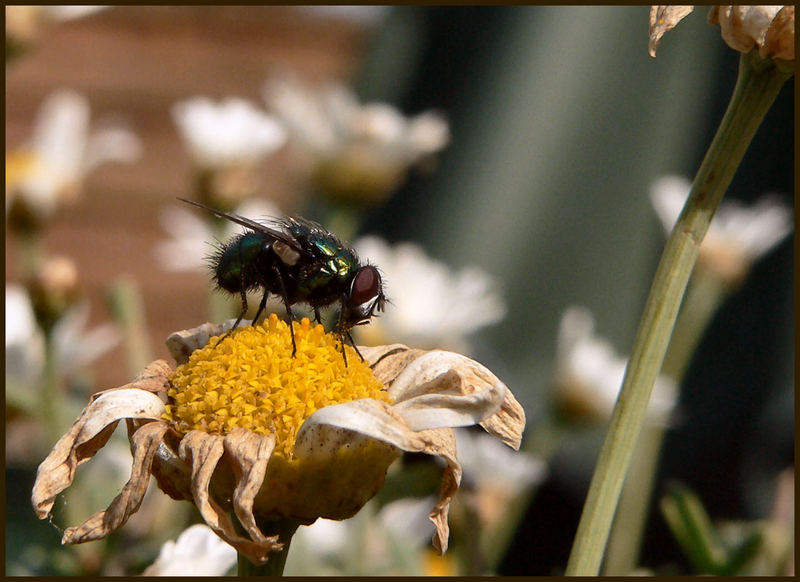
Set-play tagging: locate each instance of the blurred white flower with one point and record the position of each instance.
(75, 347)
(487, 465)
(589, 374)
(62, 151)
(390, 541)
(496, 475)
(431, 306)
(228, 133)
(191, 238)
(198, 551)
(24, 346)
(355, 151)
(737, 236)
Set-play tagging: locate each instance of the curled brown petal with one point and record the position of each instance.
(662, 20)
(507, 423)
(181, 344)
(379, 421)
(203, 452)
(410, 373)
(779, 41)
(144, 444)
(249, 453)
(88, 434)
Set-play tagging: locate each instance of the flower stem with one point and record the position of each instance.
(127, 306)
(757, 86)
(52, 403)
(704, 296)
(285, 529)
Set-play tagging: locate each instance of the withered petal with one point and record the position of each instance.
(662, 20)
(203, 452)
(451, 479)
(779, 41)
(144, 444)
(249, 453)
(380, 421)
(181, 344)
(434, 389)
(88, 434)
(507, 423)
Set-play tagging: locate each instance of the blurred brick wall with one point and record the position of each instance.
(136, 62)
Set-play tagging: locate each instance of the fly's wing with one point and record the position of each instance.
(251, 224)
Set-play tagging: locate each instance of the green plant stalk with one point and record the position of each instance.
(127, 307)
(702, 300)
(692, 528)
(220, 307)
(274, 566)
(52, 403)
(757, 86)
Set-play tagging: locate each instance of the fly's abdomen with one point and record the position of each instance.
(238, 262)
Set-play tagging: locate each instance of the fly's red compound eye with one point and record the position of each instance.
(366, 285)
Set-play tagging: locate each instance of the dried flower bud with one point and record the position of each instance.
(770, 28)
(53, 289)
(744, 27)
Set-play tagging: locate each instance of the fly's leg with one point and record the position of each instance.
(288, 309)
(355, 347)
(261, 307)
(317, 316)
(238, 319)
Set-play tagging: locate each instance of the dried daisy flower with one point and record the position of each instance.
(245, 429)
(769, 28)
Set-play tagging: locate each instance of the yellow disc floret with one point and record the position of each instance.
(251, 380)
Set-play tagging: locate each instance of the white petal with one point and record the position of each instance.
(198, 551)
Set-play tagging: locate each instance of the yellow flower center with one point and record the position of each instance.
(251, 380)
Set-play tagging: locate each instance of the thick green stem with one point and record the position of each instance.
(757, 86)
(701, 302)
(285, 529)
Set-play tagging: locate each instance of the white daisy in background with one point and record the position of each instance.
(61, 153)
(75, 347)
(737, 236)
(589, 374)
(228, 133)
(24, 346)
(191, 238)
(353, 150)
(198, 551)
(392, 540)
(496, 477)
(430, 304)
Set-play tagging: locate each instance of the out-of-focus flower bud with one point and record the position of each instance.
(53, 289)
